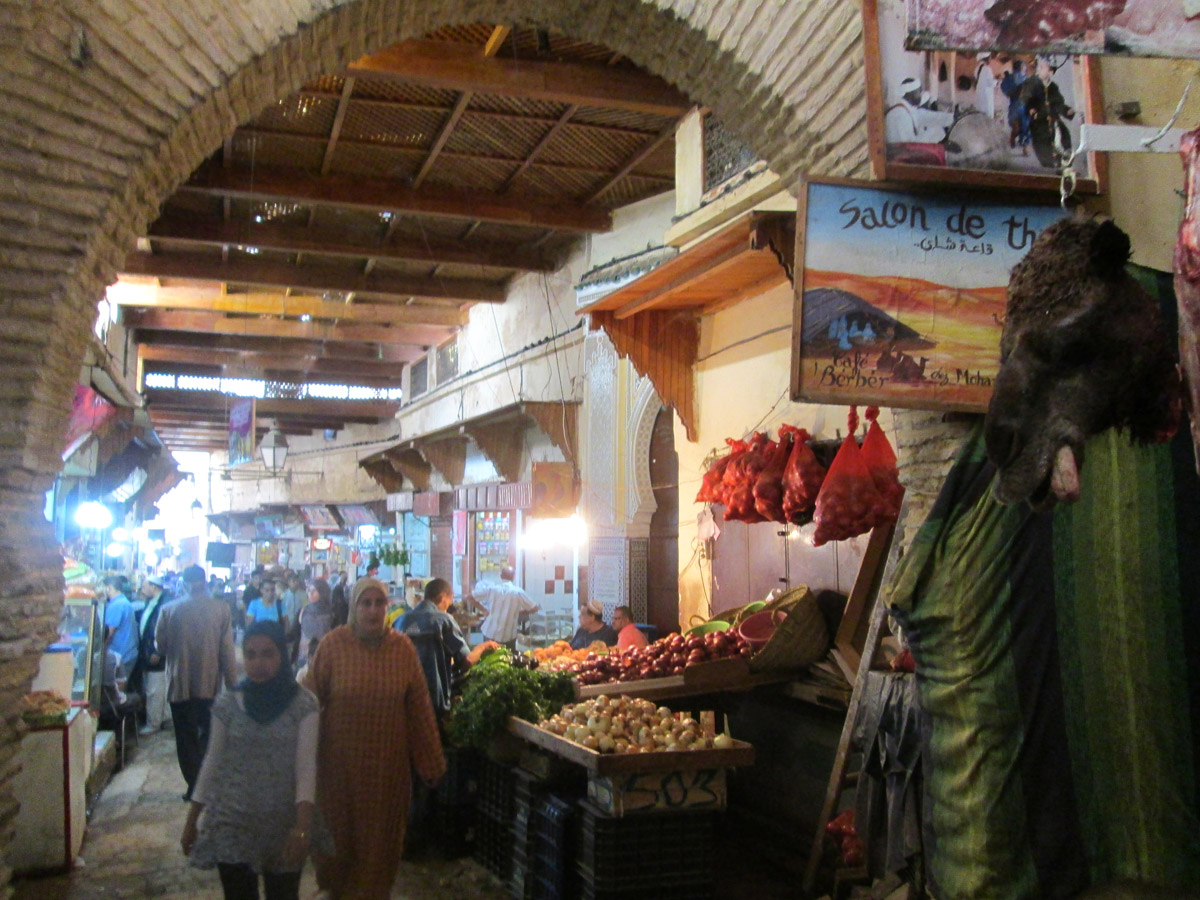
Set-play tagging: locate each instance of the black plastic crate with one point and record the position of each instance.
(648, 848)
(460, 785)
(454, 828)
(496, 784)
(552, 820)
(493, 846)
(558, 887)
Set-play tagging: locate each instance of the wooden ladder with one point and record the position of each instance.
(865, 595)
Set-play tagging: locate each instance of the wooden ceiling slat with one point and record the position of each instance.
(630, 164)
(462, 67)
(439, 142)
(549, 136)
(217, 323)
(335, 129)
(195, 229)
(319, 278)
(206, 298)
(385, 194)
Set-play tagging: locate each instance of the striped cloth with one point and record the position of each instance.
(377, 726)
(1058, 666)
(504, 602)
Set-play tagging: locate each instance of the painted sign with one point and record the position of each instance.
(241, 431)
(319, 518)
(89, 413)
(901, 295)
(1123, 27)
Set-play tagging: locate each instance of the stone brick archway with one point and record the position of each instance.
(105, 108)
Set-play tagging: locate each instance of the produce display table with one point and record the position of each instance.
(729, 675)
(740, 754)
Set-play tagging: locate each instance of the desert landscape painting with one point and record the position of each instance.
(901, 296)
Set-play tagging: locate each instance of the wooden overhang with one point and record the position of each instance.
(654, 319)
(499, 435)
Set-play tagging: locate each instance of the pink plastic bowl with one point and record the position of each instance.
(757, 629)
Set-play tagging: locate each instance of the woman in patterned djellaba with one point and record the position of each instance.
(377, 727)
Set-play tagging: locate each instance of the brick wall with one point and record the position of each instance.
(105, 108)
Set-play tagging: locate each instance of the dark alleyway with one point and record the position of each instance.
(131, 849)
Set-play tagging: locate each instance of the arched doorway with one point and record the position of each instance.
(662, 561)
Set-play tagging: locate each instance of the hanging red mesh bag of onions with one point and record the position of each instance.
(880, 459)
(802, 476)
(768, 488)
(848, 504)
(711, 489)
(739, 478)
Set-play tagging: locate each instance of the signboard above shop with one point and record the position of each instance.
(900, 296)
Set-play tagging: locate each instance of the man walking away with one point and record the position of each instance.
(504, 604)
(153, 667)
(195, 636)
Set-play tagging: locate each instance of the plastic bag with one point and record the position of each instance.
(880, 459)
(848, 504)
(802, 476)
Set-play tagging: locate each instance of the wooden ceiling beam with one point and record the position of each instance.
(313, 278)
(272, 407)
(498, 115)
(266, 134)
(392, 195)
(335, 130)
(218, 323)
(366, 352)
(210, 297)
(211, 231)
(461, 67)
(168, 359)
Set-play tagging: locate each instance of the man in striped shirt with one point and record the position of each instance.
(503, 604)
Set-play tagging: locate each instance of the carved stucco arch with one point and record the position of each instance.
(639, 492)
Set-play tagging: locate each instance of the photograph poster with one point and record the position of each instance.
(1115, 27)
(901, 295)
(990, 119)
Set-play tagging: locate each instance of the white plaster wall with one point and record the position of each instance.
(637, 227)
(316, 471)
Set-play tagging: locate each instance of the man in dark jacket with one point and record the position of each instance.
(440, 644)
(151, 665)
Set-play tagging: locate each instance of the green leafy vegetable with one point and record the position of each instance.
(495, 690)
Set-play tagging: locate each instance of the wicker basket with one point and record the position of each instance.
(800, 639)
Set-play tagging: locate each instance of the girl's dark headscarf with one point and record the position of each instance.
(266, 702)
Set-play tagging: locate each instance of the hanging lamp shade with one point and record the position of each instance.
(274, 449)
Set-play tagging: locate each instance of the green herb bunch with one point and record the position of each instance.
(496, 689)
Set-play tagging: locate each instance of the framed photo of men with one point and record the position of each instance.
(986, 119)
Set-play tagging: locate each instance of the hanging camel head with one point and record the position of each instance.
(1083, 350)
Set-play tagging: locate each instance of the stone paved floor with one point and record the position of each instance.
(131, 849)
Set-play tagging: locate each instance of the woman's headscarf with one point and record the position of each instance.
(359, 586)
(266, 702)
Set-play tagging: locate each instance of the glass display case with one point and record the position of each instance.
(81, 628)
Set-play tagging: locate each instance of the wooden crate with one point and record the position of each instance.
(740, 754)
